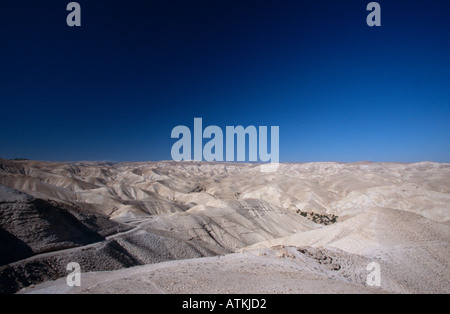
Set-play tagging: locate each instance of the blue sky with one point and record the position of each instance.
(114, 88)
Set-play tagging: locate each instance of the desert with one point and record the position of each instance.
(224, 227)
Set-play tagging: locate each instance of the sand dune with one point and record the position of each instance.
(395, 214)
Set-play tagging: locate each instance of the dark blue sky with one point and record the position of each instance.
(114, 88)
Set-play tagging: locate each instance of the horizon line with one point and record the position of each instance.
(219, 162)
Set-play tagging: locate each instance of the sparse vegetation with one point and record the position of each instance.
(323, 219)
